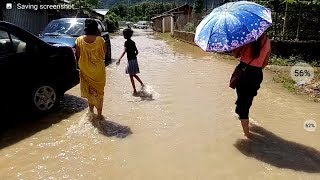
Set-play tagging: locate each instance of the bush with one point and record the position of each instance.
(307, 50)
(189, 27)
(111, 19)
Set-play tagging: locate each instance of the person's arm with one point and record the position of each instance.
(77, 52)
(105, 47)
(267, 56)
(266, 59)
(123, 53)
(237, 52)
(137, 52)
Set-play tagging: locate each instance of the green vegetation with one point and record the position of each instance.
(281, 74)
(140, 12)
(295, 19)
(284, 78)
(112, 3)
(199, 6)
(190, 27)
(86, 3)
(111, 20)
(291, 61)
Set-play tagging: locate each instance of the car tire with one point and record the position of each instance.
(109, 53)
(108, 60)
(45, 98)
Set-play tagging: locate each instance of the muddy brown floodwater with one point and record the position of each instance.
(186, 130)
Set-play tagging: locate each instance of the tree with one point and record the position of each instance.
(199, 6)
(111, 19)
(142, 11)
(86, 3)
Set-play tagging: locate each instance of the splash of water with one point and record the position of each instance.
(148, 93)
(83, 127)
(90, 126)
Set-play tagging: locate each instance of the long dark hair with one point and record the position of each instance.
(256, 47)
(91, 27)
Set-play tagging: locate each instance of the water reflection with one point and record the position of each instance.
(272, 149)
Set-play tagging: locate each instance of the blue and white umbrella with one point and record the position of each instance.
(232, 25)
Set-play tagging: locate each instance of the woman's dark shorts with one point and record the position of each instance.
(247, 88)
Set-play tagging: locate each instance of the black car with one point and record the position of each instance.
(33, 73)
(66, 30)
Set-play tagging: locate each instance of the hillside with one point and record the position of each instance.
(110, 3)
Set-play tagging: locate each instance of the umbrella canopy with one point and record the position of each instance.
(232, 25)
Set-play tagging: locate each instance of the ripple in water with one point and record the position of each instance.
(83, 128)
(90, 126)
(147, 93)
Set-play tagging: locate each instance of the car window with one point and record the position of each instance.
(69, 27)
(10, 44)
(101, 26)
(19, 46)
(5, 43)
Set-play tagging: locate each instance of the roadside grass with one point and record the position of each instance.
(281, 74)
(291, 61)
(284, 78)
(165, 36)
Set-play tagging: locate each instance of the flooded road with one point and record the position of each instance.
(186, 130)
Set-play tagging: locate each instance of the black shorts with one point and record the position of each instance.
(247, 88)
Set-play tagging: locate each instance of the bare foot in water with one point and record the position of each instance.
(248, 135)
(135, 93)
(245, 127)
(89, 115)
(99, 117)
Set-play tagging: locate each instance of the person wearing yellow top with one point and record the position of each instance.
(91, 50)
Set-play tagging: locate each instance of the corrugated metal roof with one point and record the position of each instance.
(161, 15)
(101, 11)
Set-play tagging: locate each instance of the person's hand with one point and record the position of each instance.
(118, 62)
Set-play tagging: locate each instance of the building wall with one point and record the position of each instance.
(180, 21)
(157, 24)
(30, 20)
(184, 36)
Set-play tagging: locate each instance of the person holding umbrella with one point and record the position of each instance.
(239, 27)
(253, 58)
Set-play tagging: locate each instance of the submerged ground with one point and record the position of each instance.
(183, 126)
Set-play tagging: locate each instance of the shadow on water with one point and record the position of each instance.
(272, 149)
(26, 125)
(145, 96)
(110, 129)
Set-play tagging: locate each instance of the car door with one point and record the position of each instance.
(106, 37)
(14, 70)
(5, 51)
